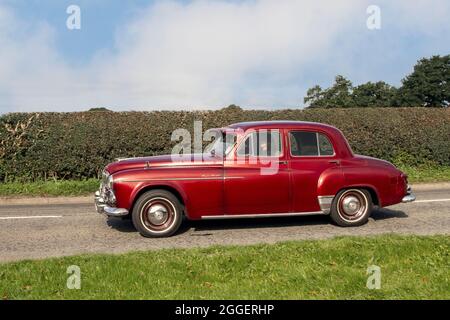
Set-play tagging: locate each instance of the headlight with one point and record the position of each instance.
(110, 182)
(105, 175)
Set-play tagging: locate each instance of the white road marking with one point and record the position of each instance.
(432, 200)
(29, 217)
(56, 217)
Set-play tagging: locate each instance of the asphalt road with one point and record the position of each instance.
(40, 231)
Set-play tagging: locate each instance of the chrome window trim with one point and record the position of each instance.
(231, 147)
(317, 143)
(263, 157)
(318, 147)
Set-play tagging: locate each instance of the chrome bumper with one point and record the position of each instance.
(410, 197)
(102, 207)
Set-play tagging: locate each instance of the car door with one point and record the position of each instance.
(311, 153)
(256, 178)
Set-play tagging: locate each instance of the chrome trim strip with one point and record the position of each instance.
(173, 179)
(263, 215)
(123, 159)
(188, 164)
(325, 203)
(184, 179)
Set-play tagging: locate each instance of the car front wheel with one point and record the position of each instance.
(351, 207)
(157, 213)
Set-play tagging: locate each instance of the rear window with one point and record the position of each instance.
(310, 144)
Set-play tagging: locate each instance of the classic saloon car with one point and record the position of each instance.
(253, 169)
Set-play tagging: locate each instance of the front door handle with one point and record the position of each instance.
(282, 162)
(335, 162)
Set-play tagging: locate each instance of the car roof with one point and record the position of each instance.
(277, 124)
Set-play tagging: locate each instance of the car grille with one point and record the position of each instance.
(105, 192)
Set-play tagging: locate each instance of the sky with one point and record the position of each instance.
(186, 55)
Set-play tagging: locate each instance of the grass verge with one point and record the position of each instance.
(427, 173)
(412, 267)
(49, 188)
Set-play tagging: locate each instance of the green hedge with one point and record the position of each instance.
(78, 145)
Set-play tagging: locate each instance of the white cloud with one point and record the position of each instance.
(201, 54)
(420, 16)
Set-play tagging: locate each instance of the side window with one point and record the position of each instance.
(262, 143)
(306, 143)
(248, 147)
(325, 146)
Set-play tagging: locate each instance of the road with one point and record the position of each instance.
(40, 231)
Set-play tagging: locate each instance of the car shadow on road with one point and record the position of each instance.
(385, 213)
(122, 225)
(203, 226)
(256, 223)
(318, 220)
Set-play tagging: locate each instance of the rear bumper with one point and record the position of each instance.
(409, 197)
(102, 207)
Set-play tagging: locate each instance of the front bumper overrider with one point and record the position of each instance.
(101, 205)
(409, 197)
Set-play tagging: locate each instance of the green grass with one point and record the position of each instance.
(412, 267)
(49, 188)
(427, 173)
(87, 187)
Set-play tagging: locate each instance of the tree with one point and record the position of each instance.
(428, 85)
(338, 96)
(378, 94)
(232, 107)
(314, 97)
(99, 109)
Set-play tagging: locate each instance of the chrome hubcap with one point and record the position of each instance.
(351, 205)
(157, 214)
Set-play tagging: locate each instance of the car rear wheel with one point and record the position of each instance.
(351, 207)
(157, 213)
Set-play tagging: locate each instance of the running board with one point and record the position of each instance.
(263, 215)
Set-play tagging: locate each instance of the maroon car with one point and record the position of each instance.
(253, 169)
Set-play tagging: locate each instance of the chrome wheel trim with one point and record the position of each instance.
(158, 215)
(352, 205)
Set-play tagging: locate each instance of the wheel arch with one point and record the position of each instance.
(172, 189)
(371, 189)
